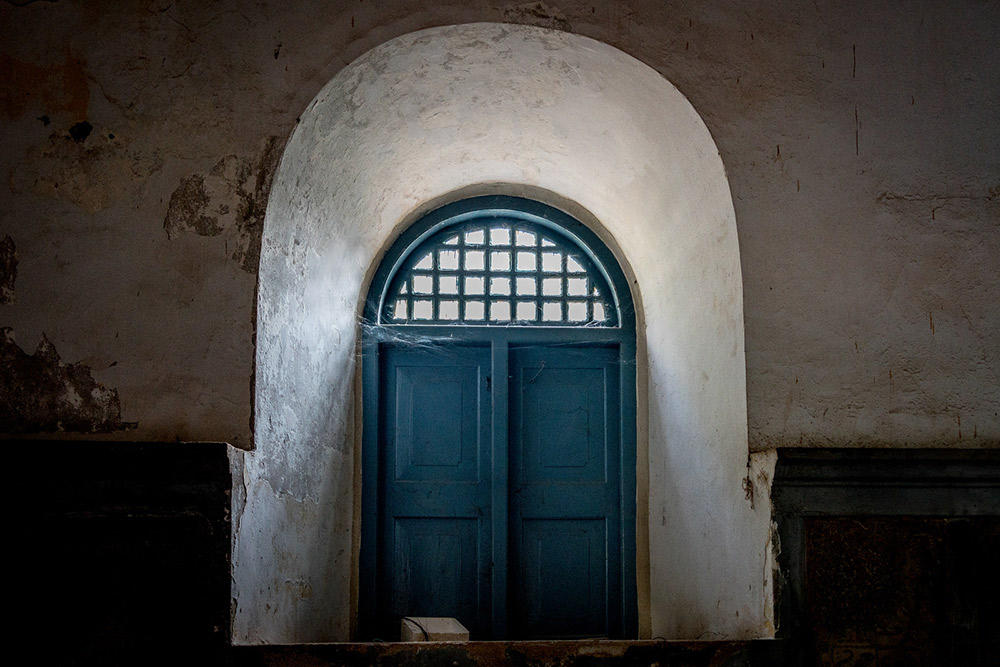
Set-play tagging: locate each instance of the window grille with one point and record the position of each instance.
(499, 272)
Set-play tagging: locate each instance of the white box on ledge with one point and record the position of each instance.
(432, 629)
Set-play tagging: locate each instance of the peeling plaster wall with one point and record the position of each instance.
(860, 141)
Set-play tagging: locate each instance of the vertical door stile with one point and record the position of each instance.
(371, 418)
(499, 459)
(628, 502)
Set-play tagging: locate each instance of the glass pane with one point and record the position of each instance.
(527, 286)
(552, 262)
(526, 261)
(527, 311)
(573, 266)
(451, 240)
(576, 311)
(552, 311)
(548, 244)
(500, 286)
(448, 310)
(576, 287)
(423, 310)
(423, 284)
(426, 263)
(500, 260)
(500, 236)
(552, 286)
(448, 284)
(475, 285)
(399, 311)
(523, 238)
(475, 310)
(500, 311)
(476, 237)
(599, 315)
(475, 260)
(448, 260)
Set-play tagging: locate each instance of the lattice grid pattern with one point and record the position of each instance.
(499, 274)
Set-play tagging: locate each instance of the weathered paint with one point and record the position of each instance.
(41, 394)
(229, 200)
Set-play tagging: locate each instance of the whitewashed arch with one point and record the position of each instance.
(453, 111)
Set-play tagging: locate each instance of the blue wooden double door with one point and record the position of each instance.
(500, 489)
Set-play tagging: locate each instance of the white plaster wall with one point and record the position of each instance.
(406, 124)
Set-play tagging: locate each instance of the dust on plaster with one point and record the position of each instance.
(228, 201)
(89, 167)
(8, 271)
(41, 394)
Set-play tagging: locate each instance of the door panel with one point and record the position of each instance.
(437, 563)
(436, 418)
(565, 505)
(561, 411)
(434, 517)
(563, 577)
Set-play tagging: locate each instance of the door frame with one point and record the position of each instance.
(500, 340)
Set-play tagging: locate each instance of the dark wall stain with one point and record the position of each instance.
(8, 271)
(91, 169)
(80, 131)
(230, 200)
(40, 394)
(537, 14)
(56, 88)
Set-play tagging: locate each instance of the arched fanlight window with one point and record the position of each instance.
(499, 266)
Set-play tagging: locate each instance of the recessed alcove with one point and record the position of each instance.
(452, 112)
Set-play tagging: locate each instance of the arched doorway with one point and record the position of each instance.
(499, 441)
(556, 117)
